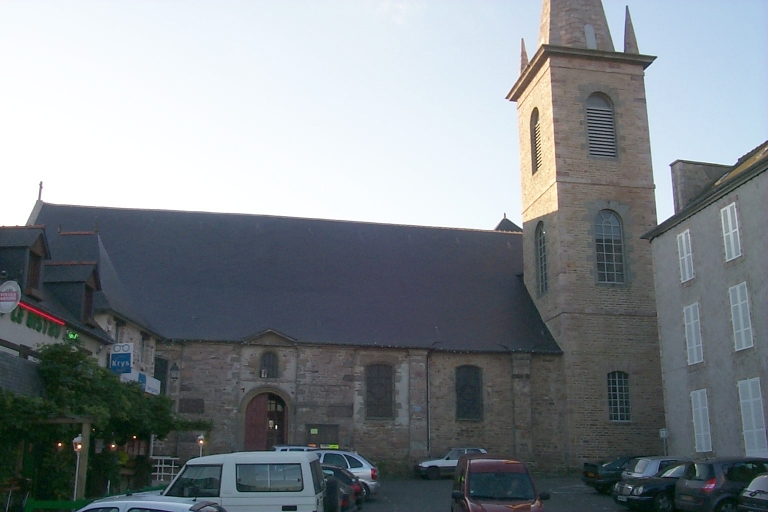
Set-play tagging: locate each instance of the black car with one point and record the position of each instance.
(350, 480)
(602, 475)
(651, 493)
(715, 485)
(755, 497)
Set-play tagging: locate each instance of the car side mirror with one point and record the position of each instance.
(543, 496)
(457, 495)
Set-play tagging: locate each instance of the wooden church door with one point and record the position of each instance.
(265, 422)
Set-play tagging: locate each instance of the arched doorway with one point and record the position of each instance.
(265, 422)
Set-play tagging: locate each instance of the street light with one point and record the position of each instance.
(175, 372)
(77, 445)
(201, 442)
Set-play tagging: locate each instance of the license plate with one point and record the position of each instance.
(621, 498)
(591, 475)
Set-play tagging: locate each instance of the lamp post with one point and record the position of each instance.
(77, 445)
(200, 443)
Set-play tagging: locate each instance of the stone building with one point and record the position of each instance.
(712, 293)
(403, 341)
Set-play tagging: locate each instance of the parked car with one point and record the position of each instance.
(293, 448)
(487, 482)
(348, 479)
(358, 465)
(715, 485)
(754, 498)
(338, 496)
(650, 493)
(151, 502)
(602, 475)
(445, 465)
(246, 481)
(644, 467)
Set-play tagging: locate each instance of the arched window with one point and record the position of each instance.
(618, 396)
(609, 247)
(378, 391)
(469, 393)
(541, 258)
(601, 129)
(535, 141)
(268, 365)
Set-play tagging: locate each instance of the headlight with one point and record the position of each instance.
(617, 486)
(637, 491)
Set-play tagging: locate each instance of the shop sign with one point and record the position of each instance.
(44, 325)
(10, 295)
(120, 360)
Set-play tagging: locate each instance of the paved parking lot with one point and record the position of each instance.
(413, 495)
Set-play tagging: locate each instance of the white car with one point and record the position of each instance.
(446, 465)
(151, 503)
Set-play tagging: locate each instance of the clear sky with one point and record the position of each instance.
(368, 110)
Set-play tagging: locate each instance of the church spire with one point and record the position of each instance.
(523, 56)
(630, 41)
(576, 24)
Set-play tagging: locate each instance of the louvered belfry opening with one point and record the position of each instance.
(535, 141)
(601, 128)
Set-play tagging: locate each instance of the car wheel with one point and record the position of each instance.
(433, 473)
(727, 506)
(366, 491)
(663, 502)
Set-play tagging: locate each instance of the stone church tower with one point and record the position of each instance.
(588, 196)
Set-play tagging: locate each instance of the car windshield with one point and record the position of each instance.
(501, 486)
(673, 472)
(197, 481)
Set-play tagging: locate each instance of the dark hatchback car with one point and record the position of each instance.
(715, 485)
(755, 497)
(348, 479)
(651, 493)
(604, 474)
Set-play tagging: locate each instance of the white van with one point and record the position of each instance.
(254, 481)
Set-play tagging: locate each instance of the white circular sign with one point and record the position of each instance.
(10, 295)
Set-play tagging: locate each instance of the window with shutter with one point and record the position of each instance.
(685, 254)
(730, 232)
(693, 333)
(742, 325)
(601, 129)
(701, 420)
(752, 418)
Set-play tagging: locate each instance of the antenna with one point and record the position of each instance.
(40, 192)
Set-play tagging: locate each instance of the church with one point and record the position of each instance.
(401, 341)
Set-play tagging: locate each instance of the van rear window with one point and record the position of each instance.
(196, 481)
(268, 477)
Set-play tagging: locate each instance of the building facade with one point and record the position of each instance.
(401, 341)
(713, 305)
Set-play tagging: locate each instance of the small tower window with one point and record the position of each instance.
(601, 129)
(268, 365)
(535, 141)
(609, 247)
(541, 258)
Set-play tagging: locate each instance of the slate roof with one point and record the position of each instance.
(232, 277)
(748, 167)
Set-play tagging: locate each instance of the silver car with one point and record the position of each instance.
(358, 465)
(643, 467)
